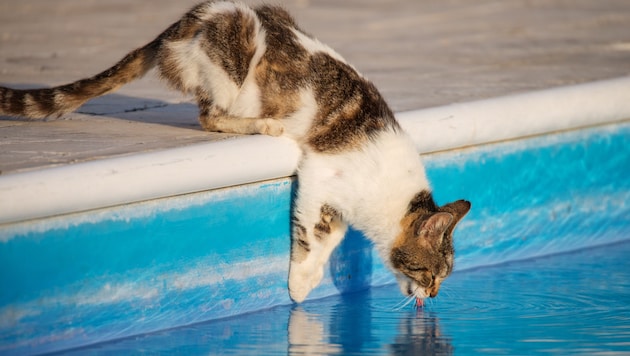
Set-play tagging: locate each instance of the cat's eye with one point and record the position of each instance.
(417, 269)
(427, 280)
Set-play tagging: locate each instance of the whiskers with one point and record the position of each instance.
(404, 303)
(407, 300)
(410, 303)
(446, 297)
(451, 294)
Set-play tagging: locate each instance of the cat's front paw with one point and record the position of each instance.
(271, 127)
(301, 282)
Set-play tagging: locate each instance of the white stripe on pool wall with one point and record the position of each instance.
(121, 180)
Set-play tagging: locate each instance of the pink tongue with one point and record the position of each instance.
(419, 302)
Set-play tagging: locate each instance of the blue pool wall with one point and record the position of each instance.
(88, 277)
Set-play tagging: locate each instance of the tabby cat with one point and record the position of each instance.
(254, 71)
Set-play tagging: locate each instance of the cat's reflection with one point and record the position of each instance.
(307, 335)
(345, 331)
(420, 336)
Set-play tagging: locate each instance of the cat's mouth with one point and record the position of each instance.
(413, 289)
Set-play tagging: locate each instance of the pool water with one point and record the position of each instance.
(572, 303)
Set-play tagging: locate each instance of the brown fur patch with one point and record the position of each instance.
(300, 247)
(283, 69)
(228, 40)
(14, 101)
(413, 255)
(423, 201)
(417, 256)
(414, 251)
(40, 103)
(208, 113)
(351, 110)
(166, 59)
(329, 217)
(321, 231)
(278, 100)
(458, 209)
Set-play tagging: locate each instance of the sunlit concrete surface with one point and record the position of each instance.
(420, 54)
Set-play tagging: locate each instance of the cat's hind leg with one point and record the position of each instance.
(215, 119)
(316, 233)
(244, 125)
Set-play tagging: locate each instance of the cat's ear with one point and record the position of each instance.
(433, 228)
(458, 209)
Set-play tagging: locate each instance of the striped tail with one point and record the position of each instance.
(42, 103)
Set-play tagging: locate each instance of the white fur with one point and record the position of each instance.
(372, 187)
(313, 45)
(297, 124)
(248, 102)
(197, 70)
(214, 8)
(306, 275)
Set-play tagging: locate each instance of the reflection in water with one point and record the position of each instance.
(566, 304)
(307, 335)
(421, 336)
(354, 326)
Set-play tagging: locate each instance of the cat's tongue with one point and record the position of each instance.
(419, 302)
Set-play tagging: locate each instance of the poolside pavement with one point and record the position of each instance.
(420, 54)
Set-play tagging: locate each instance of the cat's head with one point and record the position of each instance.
(423, 253)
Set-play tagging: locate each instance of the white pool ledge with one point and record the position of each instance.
(521, 115)
(218, 164)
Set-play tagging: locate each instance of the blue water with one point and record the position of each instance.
(573, 303)
(134, 269)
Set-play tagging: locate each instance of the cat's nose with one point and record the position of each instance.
(433, 293)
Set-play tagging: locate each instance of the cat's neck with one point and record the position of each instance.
(396, 175)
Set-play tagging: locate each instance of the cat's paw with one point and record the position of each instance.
(271, 127)
(301, 283)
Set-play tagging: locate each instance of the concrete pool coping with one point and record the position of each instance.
(218, 164)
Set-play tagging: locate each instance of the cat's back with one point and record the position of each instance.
(301, 76)
(257, 62)
(248, 60)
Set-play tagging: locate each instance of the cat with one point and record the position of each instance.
(254, 71)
